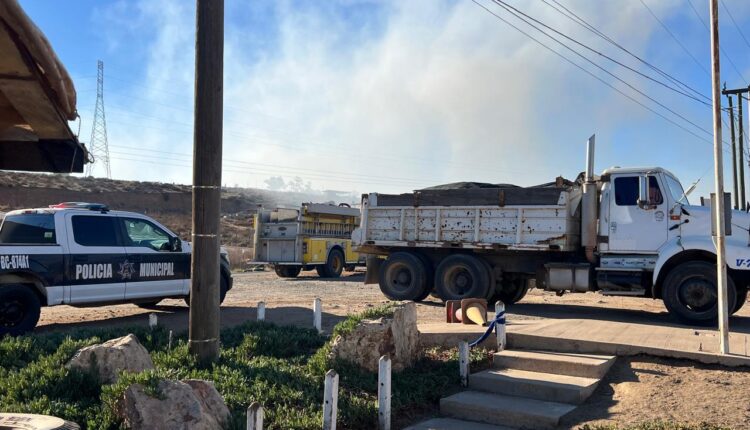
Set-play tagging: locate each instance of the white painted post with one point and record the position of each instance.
(318, 315)
(330, 400)
(500, 310)
(384, 393)
(169, 344)
(153, 321)
(261, 311)
(463, 362)
(255, 416)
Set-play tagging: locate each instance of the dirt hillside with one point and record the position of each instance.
(169, 203)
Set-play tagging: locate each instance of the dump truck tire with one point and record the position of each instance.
(741, 299)
(690, 293)
(403, 277)
(462, 276)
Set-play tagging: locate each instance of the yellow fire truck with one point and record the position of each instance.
(314, 236)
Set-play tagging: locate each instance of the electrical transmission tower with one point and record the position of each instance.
(98, 146)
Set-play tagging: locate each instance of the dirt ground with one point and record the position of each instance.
(637, 389)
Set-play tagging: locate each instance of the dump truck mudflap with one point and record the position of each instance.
(373, 269)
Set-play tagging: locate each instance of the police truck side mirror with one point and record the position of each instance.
(175, 244)
(643, 196)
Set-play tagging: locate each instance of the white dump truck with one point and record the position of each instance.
(626, 232)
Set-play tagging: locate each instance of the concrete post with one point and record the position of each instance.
(261, 311)
(318, 315)
(384, 393)
(463, 362)
(255, 416)
(153, 321)
(330, 400)
(500, 326)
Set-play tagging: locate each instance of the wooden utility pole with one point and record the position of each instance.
(721, 268)
(209, 86)
(734, 154)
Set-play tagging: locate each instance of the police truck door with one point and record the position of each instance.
(97, 267)
(160, 271)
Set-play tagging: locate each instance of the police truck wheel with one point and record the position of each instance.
(223, 288)
(741, 299)
(19, 310)
(334, 265)
(462, 276)
(148, 305)
(284, 271)
(690, 293)
(403, 277)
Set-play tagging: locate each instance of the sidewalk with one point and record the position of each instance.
(601, 337)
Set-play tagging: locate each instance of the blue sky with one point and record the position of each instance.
(385, 96)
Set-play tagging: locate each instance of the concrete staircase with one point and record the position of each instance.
(524, 389)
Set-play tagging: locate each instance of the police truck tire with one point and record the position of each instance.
(462, 276)
(403, 276)
(741, 299)
(148, 305)
(690, 293)
(19, 309)
(223, 288)
(284, 271)
(334, 265)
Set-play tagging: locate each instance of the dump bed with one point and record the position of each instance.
(533, 218)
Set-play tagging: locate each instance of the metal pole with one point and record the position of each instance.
(743, 202)
(721, 272)
(734, 154)
(207, 152)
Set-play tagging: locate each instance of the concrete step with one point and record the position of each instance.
(534, 385)
(504, 410)
(454, 424)
(583, 365)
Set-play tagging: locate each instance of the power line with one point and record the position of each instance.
(729, 59)
(731, 17)
(589, 72)
(664, 26)
(582, 22)
(583, 45)
(511, 10)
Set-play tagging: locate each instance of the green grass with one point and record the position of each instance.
(281, 367)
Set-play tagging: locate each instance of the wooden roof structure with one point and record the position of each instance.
(37, 99)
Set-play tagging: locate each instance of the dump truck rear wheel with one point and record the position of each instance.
(287, 271)
(430, 280)
(462, 276)
(511, 291)
(690, 293)
(403, 276)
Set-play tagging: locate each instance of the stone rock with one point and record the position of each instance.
(187, 405)
(370, 339)
(105, 360)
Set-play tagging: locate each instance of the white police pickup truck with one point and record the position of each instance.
(83, 254)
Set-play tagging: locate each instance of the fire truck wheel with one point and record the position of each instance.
(462, 276)
(403, 277)
(287, 271)
(334, 265)
(690, 293)
(19, 309)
